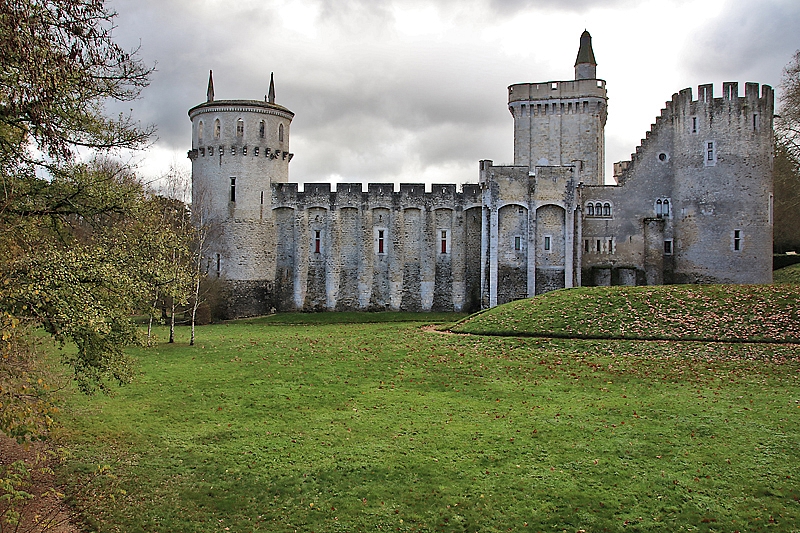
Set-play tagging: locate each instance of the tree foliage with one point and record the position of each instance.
(787, 161)
(78, 241)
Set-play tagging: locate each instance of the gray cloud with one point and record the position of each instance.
(750, 41)
(381, 98)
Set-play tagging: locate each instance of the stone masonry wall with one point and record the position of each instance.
(375, 250)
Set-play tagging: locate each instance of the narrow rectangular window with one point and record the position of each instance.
(547, 240)
(599, 246)
(694, 124)
(771, 208)
(755, 122)
(737, 240)
(668, 247)
(586, 245)
(233, 189)
(380, 241)
(219, 264)
(317, 241)
(611, 246)
(710, 153)
(517, 243)
(262, 197)
(444, 241)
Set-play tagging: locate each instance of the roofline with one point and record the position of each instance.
(252, 106)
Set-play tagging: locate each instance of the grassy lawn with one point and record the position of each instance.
(790, 274)
(277, 424)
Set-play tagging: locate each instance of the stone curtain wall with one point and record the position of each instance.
(376, 250)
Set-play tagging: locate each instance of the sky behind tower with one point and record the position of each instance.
(416, 90)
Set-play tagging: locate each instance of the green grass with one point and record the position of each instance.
(277, 425)
(789, 274)
(763, 313)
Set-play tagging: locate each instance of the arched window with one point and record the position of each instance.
(666, 208)
(606, 210)
(590, 210)
(216, 129)
(200, 131)
(280, 133)
(598, 209)
(240, 128)
(261, 129)
(659, 208)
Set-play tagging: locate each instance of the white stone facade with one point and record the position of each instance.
(693, 205)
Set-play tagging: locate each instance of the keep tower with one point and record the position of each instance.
(239, 149)
(559, 123)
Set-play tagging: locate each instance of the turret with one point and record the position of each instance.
(585, 64)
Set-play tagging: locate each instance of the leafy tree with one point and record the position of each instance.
(69, 255)
(787, 161)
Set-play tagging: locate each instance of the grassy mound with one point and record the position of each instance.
(756, 313)
(790, 274)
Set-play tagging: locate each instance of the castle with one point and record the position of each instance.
(693, 205)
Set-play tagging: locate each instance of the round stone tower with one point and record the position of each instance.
(239, 148)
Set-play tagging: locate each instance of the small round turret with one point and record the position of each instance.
(585, 64)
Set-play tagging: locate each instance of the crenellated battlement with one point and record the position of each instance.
(448, 195)
(752, 113)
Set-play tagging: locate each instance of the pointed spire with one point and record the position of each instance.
(271, 96)
(210, 92)
(585, 63)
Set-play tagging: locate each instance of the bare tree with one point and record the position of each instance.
(787, 160)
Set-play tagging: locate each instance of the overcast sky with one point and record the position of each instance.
(415, 91)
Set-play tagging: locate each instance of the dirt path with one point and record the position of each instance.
(46, 511)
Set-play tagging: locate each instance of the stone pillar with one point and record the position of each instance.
(332, 259)
(578, 244)
(493, 242)
(569, 246)
(654, 251)
(531, 245)
(301, 253)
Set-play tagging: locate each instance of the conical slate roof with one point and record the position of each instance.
(585, 53)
